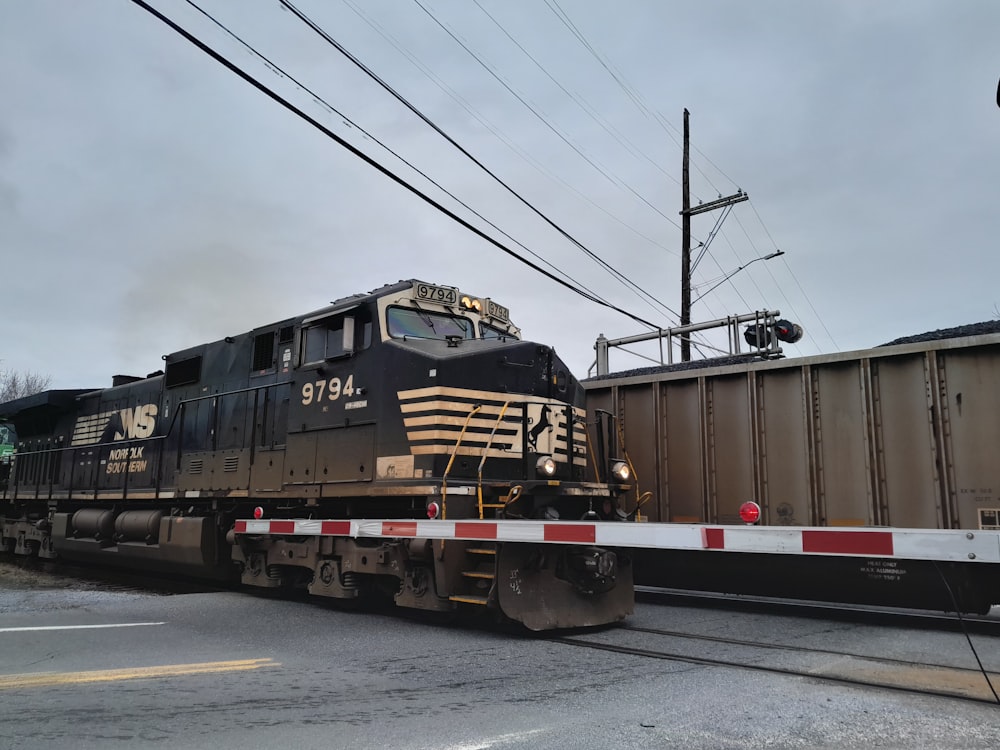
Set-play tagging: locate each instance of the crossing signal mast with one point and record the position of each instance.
(765, 330)
(760, 335)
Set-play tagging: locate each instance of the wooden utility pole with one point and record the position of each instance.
(685, 245)
(686, 213)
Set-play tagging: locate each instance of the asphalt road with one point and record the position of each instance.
(85, 667)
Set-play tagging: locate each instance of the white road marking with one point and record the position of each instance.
(486, 744)
(80, 627)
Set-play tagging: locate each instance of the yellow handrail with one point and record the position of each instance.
(454, 452)
(479, 485)
(640, 499)
(590, 451)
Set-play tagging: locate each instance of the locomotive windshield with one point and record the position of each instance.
(487, 331)
(405, 322)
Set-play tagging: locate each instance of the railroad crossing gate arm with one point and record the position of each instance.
(957, 545)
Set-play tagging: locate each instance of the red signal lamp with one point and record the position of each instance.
(750, 512)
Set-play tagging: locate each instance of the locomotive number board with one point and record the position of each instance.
(443, 294)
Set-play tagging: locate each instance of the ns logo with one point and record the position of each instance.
(543, 430)
(128, 424)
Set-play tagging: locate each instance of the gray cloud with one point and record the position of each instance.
(151, 200)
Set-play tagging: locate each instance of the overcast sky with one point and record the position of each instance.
(151, 200)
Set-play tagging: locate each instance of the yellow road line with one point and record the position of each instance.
(50, 679)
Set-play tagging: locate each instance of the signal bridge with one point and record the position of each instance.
(765, 332)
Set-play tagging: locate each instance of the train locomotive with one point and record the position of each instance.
(413, 401)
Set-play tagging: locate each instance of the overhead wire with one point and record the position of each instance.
(631, 93)
(319, 99)
(379, 29)
(760, 220)
(796, 280)
(482, 120)
(548, 124)
(225, 62)
(399, 97)
(667, 126)
(618, 78)
(610, 177)
(619, 137)
(720, 218)
(527, 105)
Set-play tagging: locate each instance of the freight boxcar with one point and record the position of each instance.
(903, 436)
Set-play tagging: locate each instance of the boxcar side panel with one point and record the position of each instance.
(731, 447)
(784, 447)
(683, 497)
(906, 455)
(639, 407)
(842, 446)
(971, 385)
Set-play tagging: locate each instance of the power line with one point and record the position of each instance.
(277, 69)
(666, 125)
(399, 97)
(371, 162)
(475, 114)
(614, 180)
(622, 140)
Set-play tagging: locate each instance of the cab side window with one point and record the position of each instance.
(336, 336)
(324, 341)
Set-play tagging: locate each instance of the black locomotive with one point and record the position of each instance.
(412, 401)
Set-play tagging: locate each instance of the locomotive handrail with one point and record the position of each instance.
(590, 450)
(18, 481)
(185, 401)
(182, 403)
(640, 497)
(482, 461)
(454, 452)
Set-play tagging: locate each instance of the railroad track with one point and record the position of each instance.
(896, 617)
(847, 668)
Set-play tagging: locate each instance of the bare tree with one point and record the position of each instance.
(14, 384)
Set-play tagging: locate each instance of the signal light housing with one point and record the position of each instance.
(760, 336)
(788, 331)
(433, 510)
(750, 513)
(763, 336)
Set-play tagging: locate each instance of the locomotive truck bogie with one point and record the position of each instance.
(540, 587)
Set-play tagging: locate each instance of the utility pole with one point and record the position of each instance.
(686, 244)
(686, 213)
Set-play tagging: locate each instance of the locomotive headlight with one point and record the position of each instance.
(471, 303)
(545, 466)
(620, 471)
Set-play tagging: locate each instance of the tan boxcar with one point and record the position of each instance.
(905, 436)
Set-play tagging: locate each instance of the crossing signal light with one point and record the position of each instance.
(763, 336)
(787, 331)
(759, 335)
